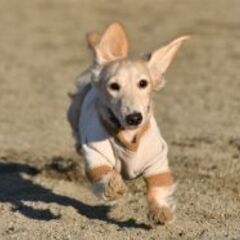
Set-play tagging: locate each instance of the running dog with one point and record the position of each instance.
(111, 116)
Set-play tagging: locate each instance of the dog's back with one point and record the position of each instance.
(73, 114)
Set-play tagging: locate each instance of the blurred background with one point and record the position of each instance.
(43, 49)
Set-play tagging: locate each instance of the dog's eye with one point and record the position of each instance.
(143, 83)
(114, 86)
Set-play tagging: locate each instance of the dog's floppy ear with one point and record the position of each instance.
(112, 45)
(160, 60)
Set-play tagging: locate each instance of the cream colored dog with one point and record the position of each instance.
(111, 115)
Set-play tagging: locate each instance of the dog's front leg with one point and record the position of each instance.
(159, 190)
(107, 182)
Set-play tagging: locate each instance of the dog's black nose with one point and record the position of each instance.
(134, 119)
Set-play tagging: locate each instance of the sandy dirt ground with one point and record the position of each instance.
(43, 191)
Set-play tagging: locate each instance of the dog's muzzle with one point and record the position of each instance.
(133, 119)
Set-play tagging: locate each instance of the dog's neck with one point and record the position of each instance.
(127, 138)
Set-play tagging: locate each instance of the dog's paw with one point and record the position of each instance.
(115, 188)
(160, 215)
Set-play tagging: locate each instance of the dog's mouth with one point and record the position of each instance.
(114, 119)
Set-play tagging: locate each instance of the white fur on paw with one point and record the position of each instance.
(160, 215)
(110, 188)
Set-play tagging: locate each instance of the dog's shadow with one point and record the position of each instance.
(16, 189)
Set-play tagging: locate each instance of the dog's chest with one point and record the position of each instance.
(126, 162)
(151, 148)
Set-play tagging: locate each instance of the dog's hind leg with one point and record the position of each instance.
(159, 190)
(107, 183)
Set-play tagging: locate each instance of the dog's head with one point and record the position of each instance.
(125, 85)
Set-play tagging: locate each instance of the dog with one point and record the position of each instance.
(111, 116)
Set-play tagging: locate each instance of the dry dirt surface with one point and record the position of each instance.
(43, 191)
